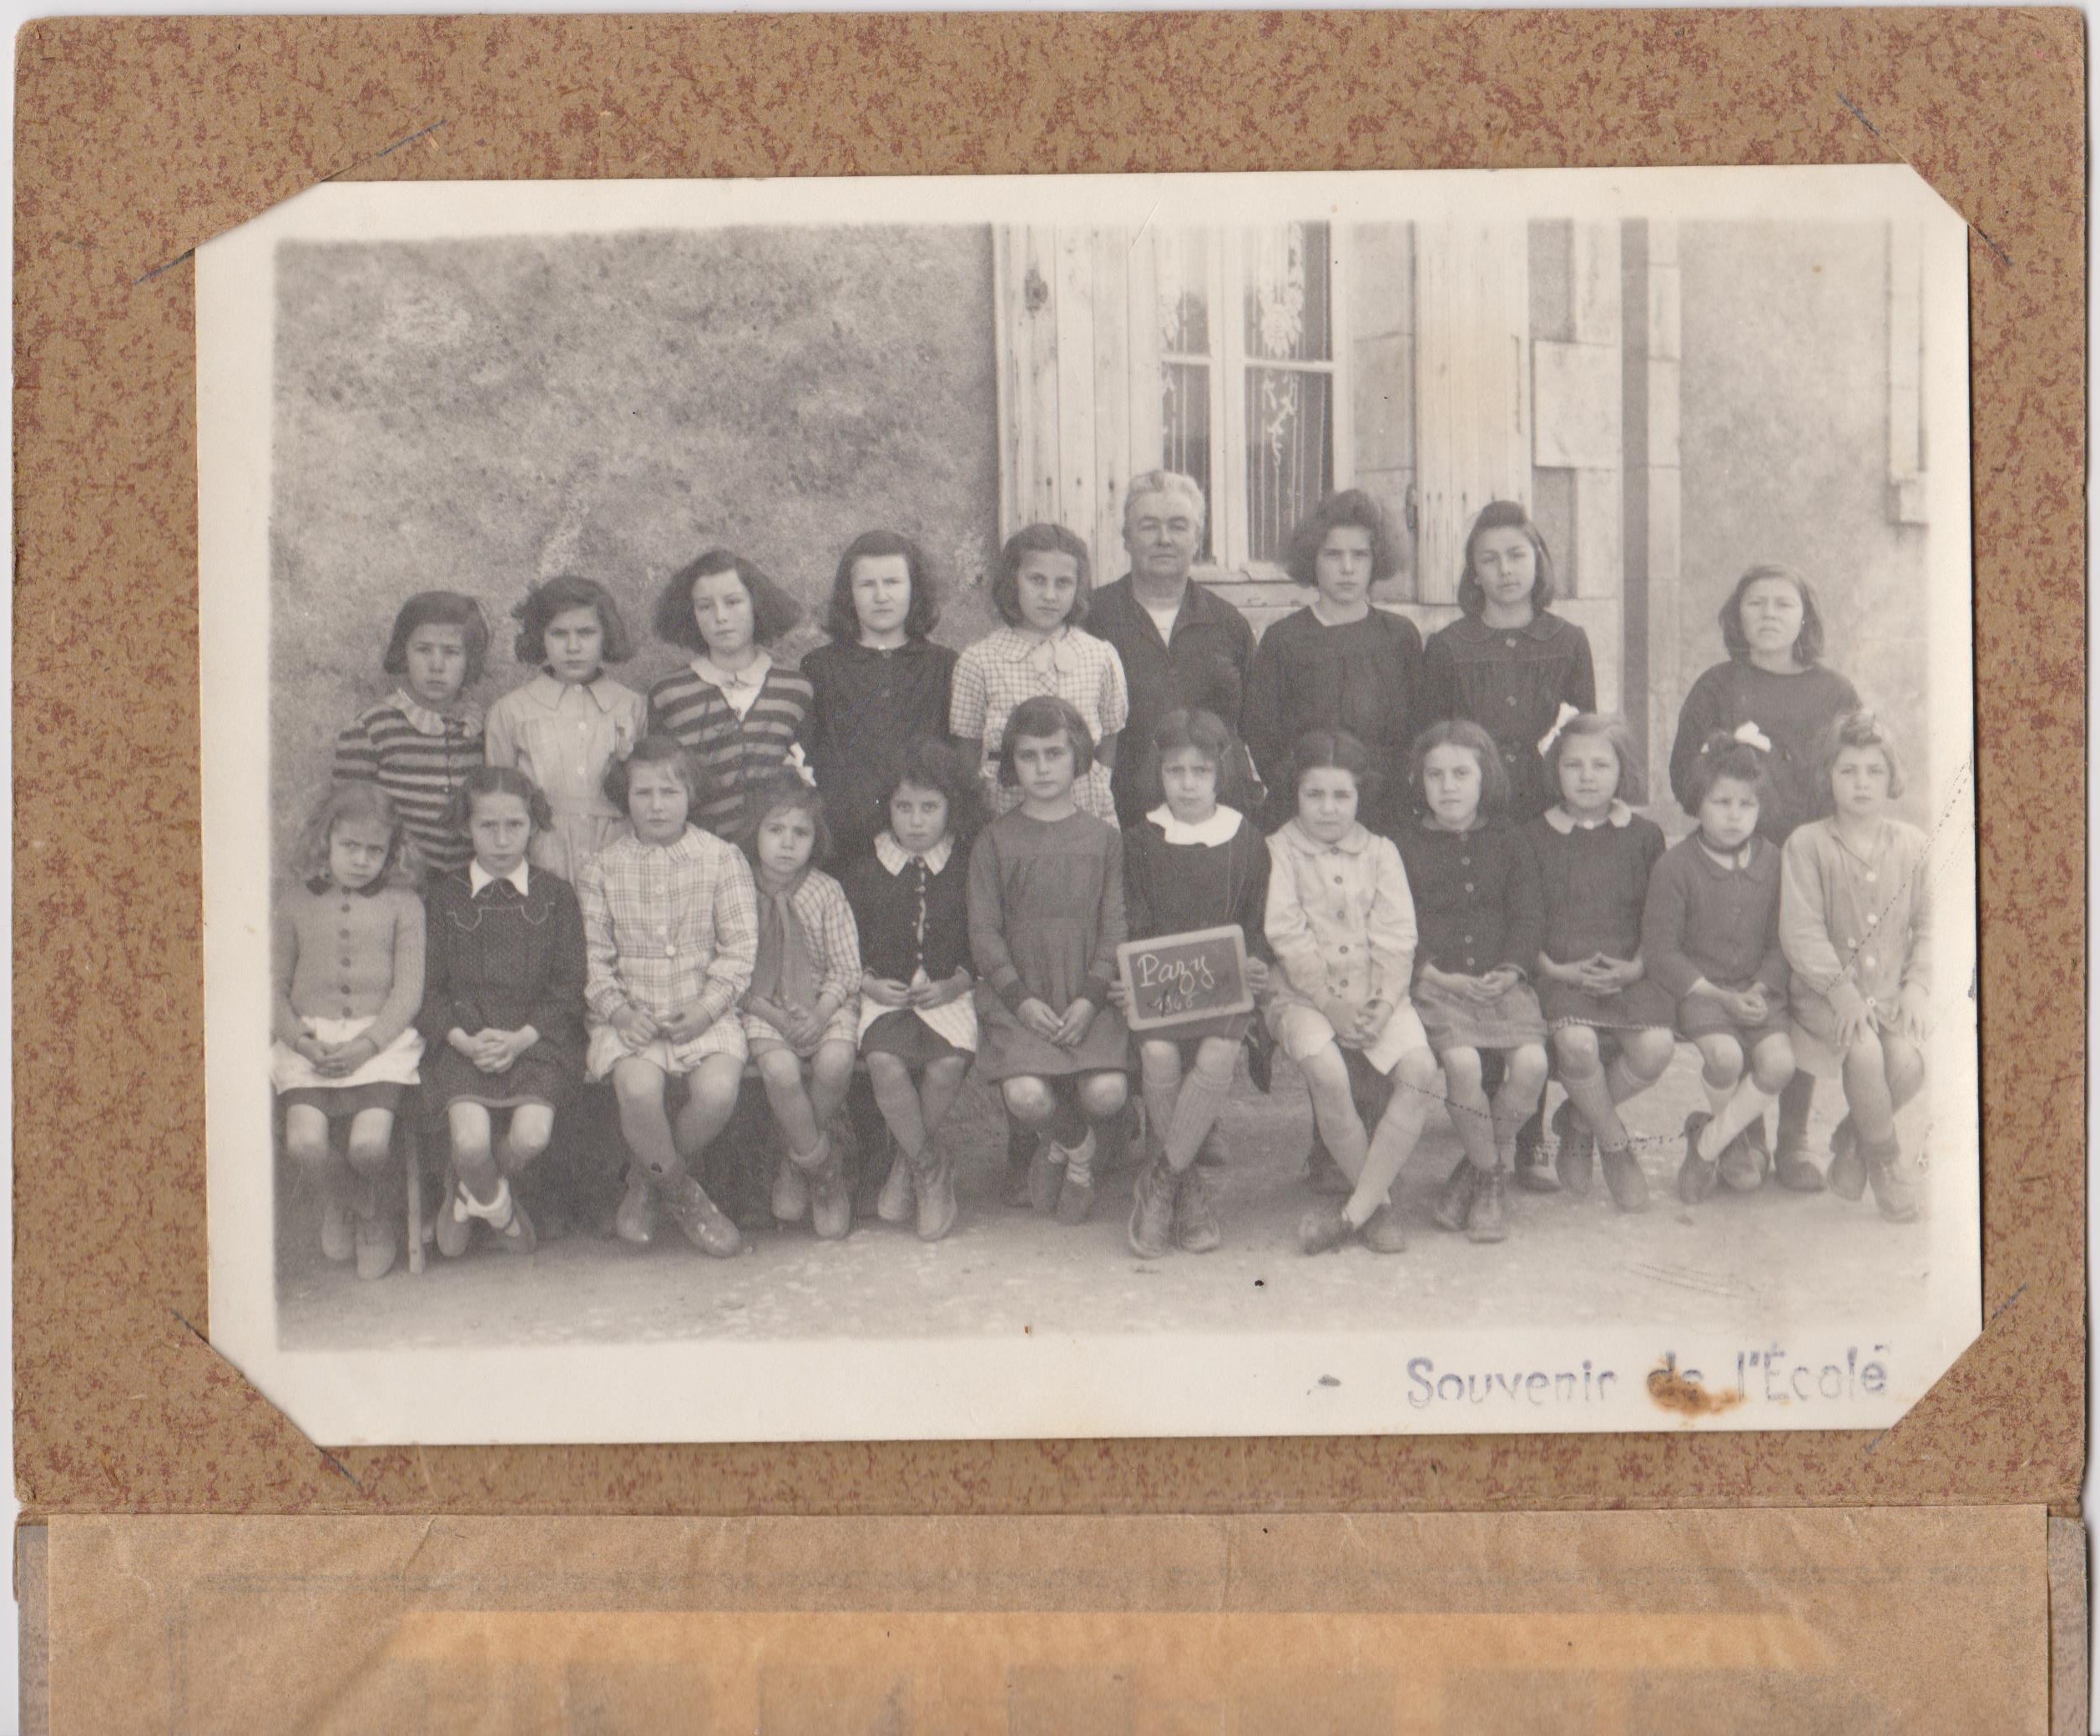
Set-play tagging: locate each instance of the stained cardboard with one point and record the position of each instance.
(141, 137)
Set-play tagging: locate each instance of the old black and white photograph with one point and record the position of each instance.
(1078, 807)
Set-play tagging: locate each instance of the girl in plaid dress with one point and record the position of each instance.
(1039, 586)
(670, 930)
(801, 1012)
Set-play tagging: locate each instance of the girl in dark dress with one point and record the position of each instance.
(1192, 862)
(1610, 1022)
(1509, 663)
(1339, 663)
(918, 1026)
(880, 685)
(502, 1007)
(1479, 922)
(1775, 681)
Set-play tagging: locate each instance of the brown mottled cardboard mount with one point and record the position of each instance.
(139, 138)
(1804, 1621)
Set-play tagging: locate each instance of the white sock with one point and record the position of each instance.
(1079, 1162)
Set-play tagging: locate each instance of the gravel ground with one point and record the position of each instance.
(1581, 1262)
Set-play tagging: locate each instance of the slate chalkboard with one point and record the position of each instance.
(1175, 979)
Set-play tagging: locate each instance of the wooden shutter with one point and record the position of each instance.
(1473, 403)
(1078, 381)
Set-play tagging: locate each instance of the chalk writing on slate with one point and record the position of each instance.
(1176, 979)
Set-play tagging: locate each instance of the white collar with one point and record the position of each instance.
(478, 877)
(1354, 842)
(549, 690)
(1221, 828)
(1563, 822)
(751, 675)
(425, 722)
(894, 857)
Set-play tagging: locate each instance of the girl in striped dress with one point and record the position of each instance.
(419, 743)
(736, 710)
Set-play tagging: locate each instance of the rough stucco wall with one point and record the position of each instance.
(477, 414)
(1784, 412)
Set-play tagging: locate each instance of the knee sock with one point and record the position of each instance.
(1748, 1104)
(1196, 1108)
(1622, 1081)
(1078, 1164)
(1475, 1125)
(1068, 1124)
(1161, 1095)
(1795, 1101)
(1717, 1096)
(1398, 1130)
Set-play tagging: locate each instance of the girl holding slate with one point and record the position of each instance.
(1192, 863)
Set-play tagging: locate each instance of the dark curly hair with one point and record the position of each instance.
(1346, 508)
(1038, 538)
(842, 621)
(1188, 726)
(1506, 514)
(1808, 643)
(557, 596)
(1721, 756)
(773, 611)
(768, 795)
(440, 609)
(931, 763)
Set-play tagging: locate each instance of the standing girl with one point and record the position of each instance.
(801, 1013)
(918, 1028)
(879, 686)
(1508, 664)
(1340, 922)
(1774, 680)
(1594, 856)
(670, 933)
(1476, 905)
(418, 743)
(1338, 664)
(1856, 920)
(502, 1007)
(1192, 862)
(1046, 917)
(565, 727)
(1711, 940)
(1039, 587)
(737, 709)
(348, 946)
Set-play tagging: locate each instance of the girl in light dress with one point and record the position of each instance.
(567, 725)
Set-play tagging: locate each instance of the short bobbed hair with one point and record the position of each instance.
(1859, 728)
(1808, 643)
(440, 609)
(774, 613)
(1506, 514)
(356, 800)
(842, 621)
(931, 763)
(1038, 538)
(481, 781)
(1463, 733)
(777, 791)
(1596, 726)
(1334, 750)
(659, 750)
(1045, 714)
(1350, 509)
(557, 596)
(1721, 756)
(1172, 484)
(1191, 727)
